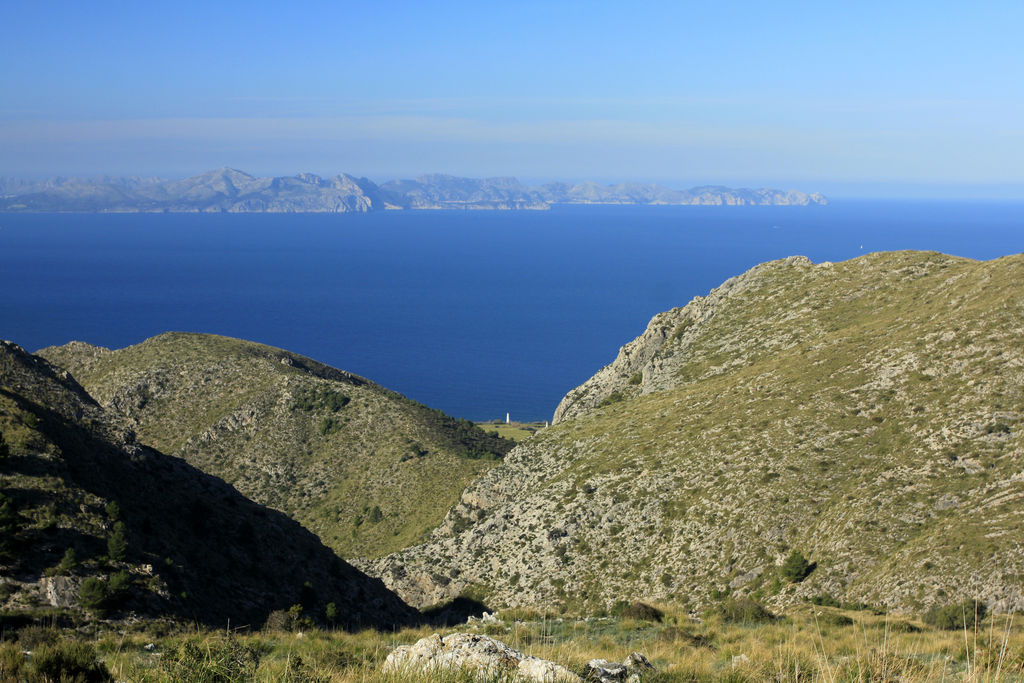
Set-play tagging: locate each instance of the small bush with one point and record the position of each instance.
(744, 611)
(68, 563)
(833, 619)
(291, 619)
(117, 545)
(92, 594)
(612, 398)
(330, 425)
(796, 567)
(13, 666)
(33, 637)
(211, 662)
(825, 600)
(640, 611)
(5, 450)
(901, 627)
(69, 661)
(10, 525)
(955, 617)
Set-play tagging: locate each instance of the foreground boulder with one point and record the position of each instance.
(629, 671)
(486, 657)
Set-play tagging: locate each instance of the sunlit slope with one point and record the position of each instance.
(867, 413)
(366, 469)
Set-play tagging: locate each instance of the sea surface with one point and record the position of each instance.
(478, 313)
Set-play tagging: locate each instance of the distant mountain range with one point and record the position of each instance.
(232, 191)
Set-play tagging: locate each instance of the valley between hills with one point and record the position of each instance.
(859, 421)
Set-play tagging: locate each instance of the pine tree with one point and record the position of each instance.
(117, 545)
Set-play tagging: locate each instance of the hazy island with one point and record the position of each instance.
(232, 191)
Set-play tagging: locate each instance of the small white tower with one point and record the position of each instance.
(507, 418)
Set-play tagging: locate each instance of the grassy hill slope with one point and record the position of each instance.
(92, 520)
(867, 414)
(366, 469)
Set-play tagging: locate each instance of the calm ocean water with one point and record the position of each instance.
(475, 313)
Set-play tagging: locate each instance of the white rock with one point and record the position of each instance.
(487, 657)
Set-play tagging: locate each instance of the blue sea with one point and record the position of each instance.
(477, 313)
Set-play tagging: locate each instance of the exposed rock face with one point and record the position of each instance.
(868, 413)
(643, 365)
(60, 591)
(232, 191)
(486, 657)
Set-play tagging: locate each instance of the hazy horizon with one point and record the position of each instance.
(874, 100)
(877, 190)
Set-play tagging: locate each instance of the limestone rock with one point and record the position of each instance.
(60, 591)
(487, 657)
(629, 671)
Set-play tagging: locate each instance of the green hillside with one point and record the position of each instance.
(94, 523)
(366, 469)
(867, 414)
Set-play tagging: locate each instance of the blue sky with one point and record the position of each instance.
(884, 98)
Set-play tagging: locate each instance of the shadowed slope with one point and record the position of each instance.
(193, 547)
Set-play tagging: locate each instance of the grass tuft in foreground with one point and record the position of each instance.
(808, 644)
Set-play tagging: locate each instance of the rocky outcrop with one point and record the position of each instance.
(648, 363)
(630, 670)
(486, 658)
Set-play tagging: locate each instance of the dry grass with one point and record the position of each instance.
(806, 645)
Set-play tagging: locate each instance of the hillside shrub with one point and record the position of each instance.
(68, 563)
(13, 665)
(796, 568)
(825, 600)
(119, 585)
(640, 611)
(744, 611)
(10, 525)
(92, 594)
(956, 616)
(330, 425)
(612, 398)
(69, 661)
(5, 450)
(833, 619)
(117, 545)
(221, 661)
(32, 638)
(321, 398)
